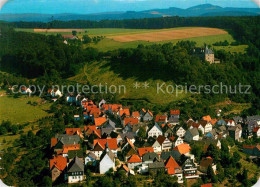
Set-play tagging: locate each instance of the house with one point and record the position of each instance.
(92, 130)
(73, 131)
(207, 141)
(62, 143)
(144, 150)
(54, 92)
(162, 144)
(71, 98)
(100, 121)
(148, 116)
(235, 132)
(127, 148)
(76, 117)
(212, 134)
(175, 113)
(155, 131)
(210, 57)
(57, 166)
(123, 113)
(191, 135)
(198, 126)
(221, 123)
(107, 161)
(156, 167)
(101, 103)
(127, 170)
(206, 125)
(25, 90)
(132, 128)
(166, 155)
(256, 131)
(254, 118)
(148, 158)
(253, 150)
(230, 123)
(70, 37)
(176, 140)
(167, 131)
(75, 170)
(91, 157)
(173, 121)
(142, 112)
(205, 163)
(206, 185)
(207, 118)
(189, 168)
(249, 127)
(134, 161)
(130, 120)
(173, 169)
(101, 144)
(67, 148)
(136, 114)
(180, 131)
(182, 149)
(161, 119)
(238, 119)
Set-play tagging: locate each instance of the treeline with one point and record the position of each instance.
(244, 29)
(33, 55)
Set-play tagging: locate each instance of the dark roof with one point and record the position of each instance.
(149, 156)
(92, 155)
(161, 139)
(206, 162)
(237, 119)
(173, 120)
(129, 135)
(166, 155)
(106, 131)
(74, 153)
(194, 131)
(208, 51)
(76, 165)
(253, 118)
(109, 153)
(66, 139)
(156, 165)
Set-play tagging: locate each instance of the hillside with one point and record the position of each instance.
(196, 11)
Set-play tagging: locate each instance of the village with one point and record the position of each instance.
(139, 143)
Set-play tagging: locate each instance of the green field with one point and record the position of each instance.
(18, 111)
(99, 72)
(110, 44)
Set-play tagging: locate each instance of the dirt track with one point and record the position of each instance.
(169, 34)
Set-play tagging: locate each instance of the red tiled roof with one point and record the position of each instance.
(249, 146)
(67, 148)
(135, 114)
(161, 139)
(207, 118)
(68, 36)
(134, 158)
(72, 131)
(255, 129)
(54, 141)
(206, 185)
(195, 125)
(171, 163)
(131, 120)
(160, 118)
(113, 107)
(175, 112)
(125, 167)
(172, 138)
(213, 121)
(144, 150)
(112, 143)
(150, 112)
(59, 162)
(182, 148)
(124, 111)
(91, 129)
(99, 121)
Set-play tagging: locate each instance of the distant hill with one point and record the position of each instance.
(195, 11)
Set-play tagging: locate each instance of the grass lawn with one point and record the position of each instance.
(18, 111)
(96, 73)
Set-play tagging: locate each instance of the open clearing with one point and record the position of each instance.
(108, 77)
(17, 110)
(169, 35)
(58, 30)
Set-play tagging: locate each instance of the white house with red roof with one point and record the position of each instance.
(134, 161)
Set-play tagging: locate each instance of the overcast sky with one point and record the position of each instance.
(95, 6)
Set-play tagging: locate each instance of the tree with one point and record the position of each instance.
(220, 172)
(14, 129)
(74, 33)
(86, 39)
(213, 152)
(142, 133)
(211, 175)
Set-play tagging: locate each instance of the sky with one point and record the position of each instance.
(97, 6)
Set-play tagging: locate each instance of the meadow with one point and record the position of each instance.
(17, 110)
(110, 44)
